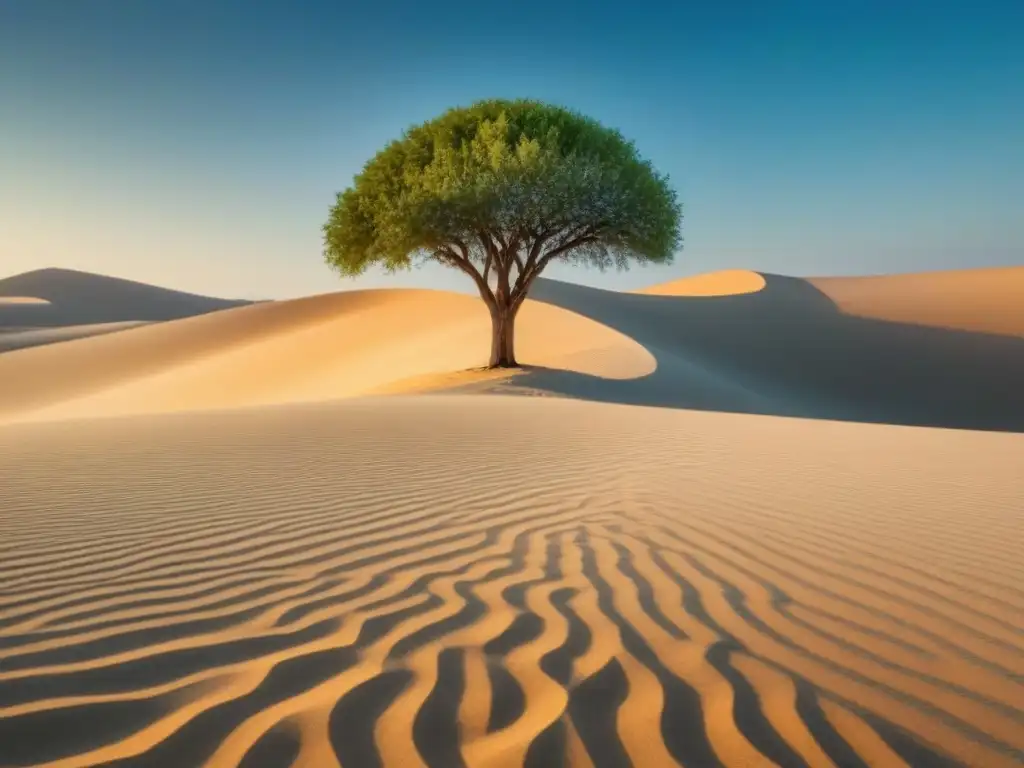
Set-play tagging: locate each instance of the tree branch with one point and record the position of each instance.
(512, 251)
(485, 242)
(523, 284)
(531, 257)
(462, 248)
(535, 263)
(576, 242)
(446, 255)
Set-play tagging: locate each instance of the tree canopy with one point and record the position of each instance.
(502, 187)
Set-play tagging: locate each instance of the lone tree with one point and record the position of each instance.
(499, 190)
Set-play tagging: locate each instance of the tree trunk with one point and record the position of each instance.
(503, 353)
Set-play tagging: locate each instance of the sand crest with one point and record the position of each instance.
(23, 300)
(317, 348)
(985, 300)
(727, 282)
(786, 349)
(22, 338)
(64, 297)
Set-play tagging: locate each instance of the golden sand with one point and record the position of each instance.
(316, 348)
(727, 282)
(22, 300)
(320, 579)
(984, 300)
(502, 581)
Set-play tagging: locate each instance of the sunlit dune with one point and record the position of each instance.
(786, 349)
(448, 381)
(984, 300)
(22, 300)
(317, 533)
(318, 348)
(728, 282)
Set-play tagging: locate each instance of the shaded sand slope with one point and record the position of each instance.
(986, 300)
(34, 337)
(316, 348)
(732, 341)
(786, 349)
(70, 297)
(505, 581)
(21, 300)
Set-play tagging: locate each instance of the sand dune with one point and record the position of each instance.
(35, 337)
(785, 349)
(253, 566)
(985, 300)
(22, 300)
(728, 282)
(64, 297)
(489, 581)
(318, 348)
(788, 350)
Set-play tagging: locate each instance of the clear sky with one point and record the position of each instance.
(198, 144)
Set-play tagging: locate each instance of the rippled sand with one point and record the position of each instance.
(489, 581)
(578, 578)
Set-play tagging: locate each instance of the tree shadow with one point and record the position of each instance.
(788, 350)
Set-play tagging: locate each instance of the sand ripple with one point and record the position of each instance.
(446, 581)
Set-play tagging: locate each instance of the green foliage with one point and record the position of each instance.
(507, 174)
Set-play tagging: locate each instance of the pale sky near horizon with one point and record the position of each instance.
(198, 144)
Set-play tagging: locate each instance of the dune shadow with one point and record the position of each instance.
(788, 350)
(12, 339)
(68, 297)
(80, 312)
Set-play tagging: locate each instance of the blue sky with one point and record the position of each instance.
(198, 144)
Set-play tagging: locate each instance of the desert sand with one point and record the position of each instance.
(987, 300)
(728, 282)
(21, 300)
(48, 298)
(21, 338)
(739, 519)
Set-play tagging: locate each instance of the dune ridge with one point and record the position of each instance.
(395, 581)
(23, 338)
(22, 300)
(317, 348)
(220, 546)
(988, 300)
(726, 282)
(710, 343)
(64, 297)
(789, 349)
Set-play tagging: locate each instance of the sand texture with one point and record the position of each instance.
(50, 298)
(734, 520)
(459, 580)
